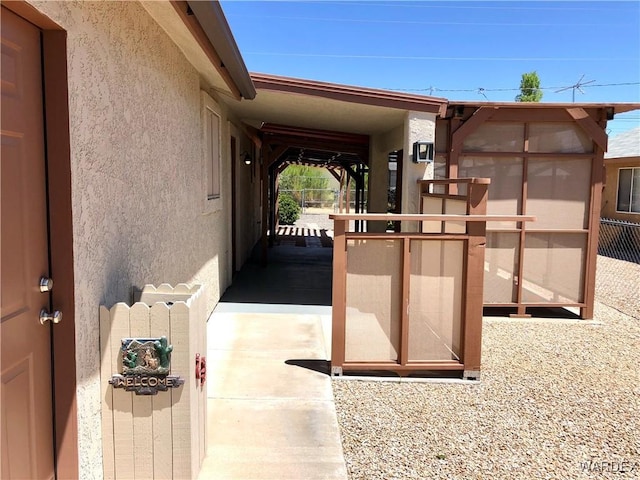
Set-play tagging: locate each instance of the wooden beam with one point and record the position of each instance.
(334, 174)
(478, 118)
(590, 126)
(252, 133)
(417, 217)
(339, 295)
(273, 155)
(474, 274)
(403, 354)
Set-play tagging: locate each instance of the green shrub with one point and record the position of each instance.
(288, 210)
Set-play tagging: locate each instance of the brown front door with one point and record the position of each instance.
(25, 368)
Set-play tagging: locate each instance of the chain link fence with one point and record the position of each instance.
(618, 269)
(320, 200)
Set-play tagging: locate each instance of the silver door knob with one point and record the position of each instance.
(53, 317)
(46, 284)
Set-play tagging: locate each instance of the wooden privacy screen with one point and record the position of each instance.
(546, 162)
(159, 436)
(411, 301)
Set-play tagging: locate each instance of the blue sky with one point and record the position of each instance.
(472, 50)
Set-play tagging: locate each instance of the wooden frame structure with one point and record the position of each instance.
(344, 155)
(545, 160)
(384, 318)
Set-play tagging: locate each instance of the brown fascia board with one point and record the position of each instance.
(351, 94)
(622, 160)
(212, 20)
(617, 107)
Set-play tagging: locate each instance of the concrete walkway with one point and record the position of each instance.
(271, 410)
(271, 414)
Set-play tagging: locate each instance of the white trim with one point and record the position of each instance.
(629, 211)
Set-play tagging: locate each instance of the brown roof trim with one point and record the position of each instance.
(346, 93)
(622, 160)
(617, 107)
(324, 135)
(209, 27)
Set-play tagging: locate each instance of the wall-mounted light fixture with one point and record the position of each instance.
(422, 152)
(246, 158)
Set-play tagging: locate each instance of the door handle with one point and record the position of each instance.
(46, 284)
(53, 317)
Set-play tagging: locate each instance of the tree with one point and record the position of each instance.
(297, 178)
(529, 88)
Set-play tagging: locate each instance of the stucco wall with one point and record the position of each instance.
(136, 158)
(610, 192)
(419, 126)
(379, 148)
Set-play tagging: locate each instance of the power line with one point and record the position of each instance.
(422, 22)
(432, 89)
(464, 7)
(484, 59)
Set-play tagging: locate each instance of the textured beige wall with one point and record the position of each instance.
(610, 192)
(379, 148)
(419, 126)
(136, 158)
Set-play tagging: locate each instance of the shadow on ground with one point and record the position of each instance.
(539, 312)
(293, 276)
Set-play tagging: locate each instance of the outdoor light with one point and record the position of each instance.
(246, 158)
(422, 152)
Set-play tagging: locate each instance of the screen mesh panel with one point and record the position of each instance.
(505, 190)
(439, 172)
(501, 267)
(435, 299)
(495, 137)
(374, 274)
(558, 137)
(432, 205)
(554, 267)
(559, 193)
(455, 207)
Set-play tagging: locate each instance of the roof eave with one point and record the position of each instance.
(617, 107)
(212, 20)
(346, 93)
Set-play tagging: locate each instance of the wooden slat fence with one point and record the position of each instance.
(158, 436)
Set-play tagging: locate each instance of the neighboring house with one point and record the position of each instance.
(621, 194)
(137, 149)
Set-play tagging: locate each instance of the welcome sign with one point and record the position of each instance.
(146, 363)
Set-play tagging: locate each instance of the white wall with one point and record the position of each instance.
(137, 186)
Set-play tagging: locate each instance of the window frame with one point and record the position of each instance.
(211, 158)
(631, 186)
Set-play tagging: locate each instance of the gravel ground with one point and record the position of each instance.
(553, 394)
(320, 219)
(618, 285)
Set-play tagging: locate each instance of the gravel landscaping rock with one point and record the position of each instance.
(618, 285)
(556, 400)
